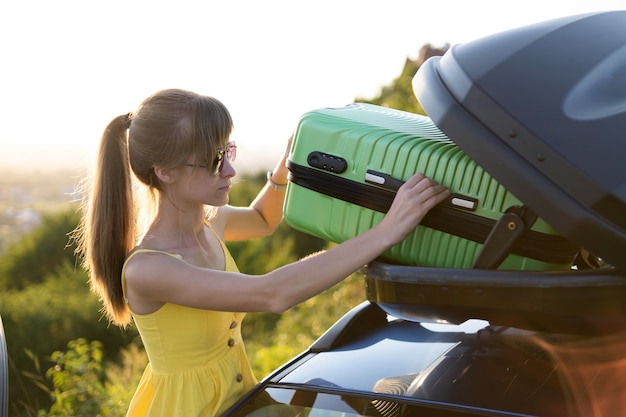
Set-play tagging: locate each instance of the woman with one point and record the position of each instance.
(176, 278)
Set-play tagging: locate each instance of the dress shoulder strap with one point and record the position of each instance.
(230, 264)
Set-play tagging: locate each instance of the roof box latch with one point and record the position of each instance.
(505, 234)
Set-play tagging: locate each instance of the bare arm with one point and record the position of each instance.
(264, 214)
(170, 280)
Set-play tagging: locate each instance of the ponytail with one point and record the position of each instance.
(107, 232)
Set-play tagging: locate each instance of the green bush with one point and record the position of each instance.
(83, 386)
(42, 318)
(56, 306)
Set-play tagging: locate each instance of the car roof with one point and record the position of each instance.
(475, 365)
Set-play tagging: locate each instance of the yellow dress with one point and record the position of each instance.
(197, 360)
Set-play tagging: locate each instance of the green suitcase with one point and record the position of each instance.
(346, 165)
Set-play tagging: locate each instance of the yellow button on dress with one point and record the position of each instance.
(197, 361)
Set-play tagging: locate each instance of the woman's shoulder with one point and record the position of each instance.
(143, 267)
(144, 271)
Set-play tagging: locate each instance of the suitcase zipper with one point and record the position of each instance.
(445, 217)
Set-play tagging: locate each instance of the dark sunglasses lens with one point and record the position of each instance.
(218, 163)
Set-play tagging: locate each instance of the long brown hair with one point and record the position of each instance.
(166, 129)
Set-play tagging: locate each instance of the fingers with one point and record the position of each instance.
(413, 180)
(418, 195)
(425, 188)
(414, 199)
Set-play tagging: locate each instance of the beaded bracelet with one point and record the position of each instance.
(273, 184)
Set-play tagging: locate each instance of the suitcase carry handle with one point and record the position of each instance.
(393, 184)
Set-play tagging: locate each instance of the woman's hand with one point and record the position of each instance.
(414, 199)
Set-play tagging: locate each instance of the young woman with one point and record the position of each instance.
(175, 277)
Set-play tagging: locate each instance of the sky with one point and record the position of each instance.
(69, 67)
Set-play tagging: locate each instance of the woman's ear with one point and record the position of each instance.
(165, 175)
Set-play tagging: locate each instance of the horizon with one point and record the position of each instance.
(268, 63)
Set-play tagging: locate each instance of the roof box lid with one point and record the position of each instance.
(542, 108)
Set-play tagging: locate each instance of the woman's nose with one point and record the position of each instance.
(228, 169)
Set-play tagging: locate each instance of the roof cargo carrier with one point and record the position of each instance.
(542, 109)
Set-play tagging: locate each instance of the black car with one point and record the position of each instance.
(533, 358)
(543, 110)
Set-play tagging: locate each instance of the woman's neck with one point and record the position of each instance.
(173, 226)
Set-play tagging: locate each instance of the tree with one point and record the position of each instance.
(39, 252)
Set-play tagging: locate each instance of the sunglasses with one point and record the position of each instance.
(218, 163)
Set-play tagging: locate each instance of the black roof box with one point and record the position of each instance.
(542, 108)
(588, 302)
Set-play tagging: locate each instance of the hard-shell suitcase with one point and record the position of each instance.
(346, 165)
(545, 119)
